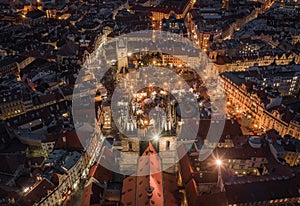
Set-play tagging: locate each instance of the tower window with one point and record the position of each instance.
(130, 146)
(168, 145)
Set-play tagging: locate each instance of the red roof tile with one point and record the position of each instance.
(91, 195)
(69, 141)
(192, 192)
(37, 193)
(150, 186)
(149, 177)
(100, 173)
(216, 199)
(261, 191)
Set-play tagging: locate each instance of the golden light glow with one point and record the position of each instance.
(155, 137)
(26, 189)
(219, 162)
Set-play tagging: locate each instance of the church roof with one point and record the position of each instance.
(150, 186)
(149, 178)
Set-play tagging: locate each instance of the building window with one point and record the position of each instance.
(168, 145)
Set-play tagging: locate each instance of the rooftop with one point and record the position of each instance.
(151, 186)
(37, 193)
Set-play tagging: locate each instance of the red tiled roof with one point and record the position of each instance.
(216, 199)
(150, 186)
(261, 191)
(171, 193)
(129, 191)
(100, 173)
(149, 176)
(69, 141)
(37, 193)
(192, 192)
(91, 195)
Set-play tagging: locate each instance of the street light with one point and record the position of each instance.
(26, 189)
(219, 162)
(156, 137)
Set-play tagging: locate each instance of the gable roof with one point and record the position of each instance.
(92, 194)
(37, 193)
(150, 186)
(69, 141)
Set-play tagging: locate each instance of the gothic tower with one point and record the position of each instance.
(121, 49)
